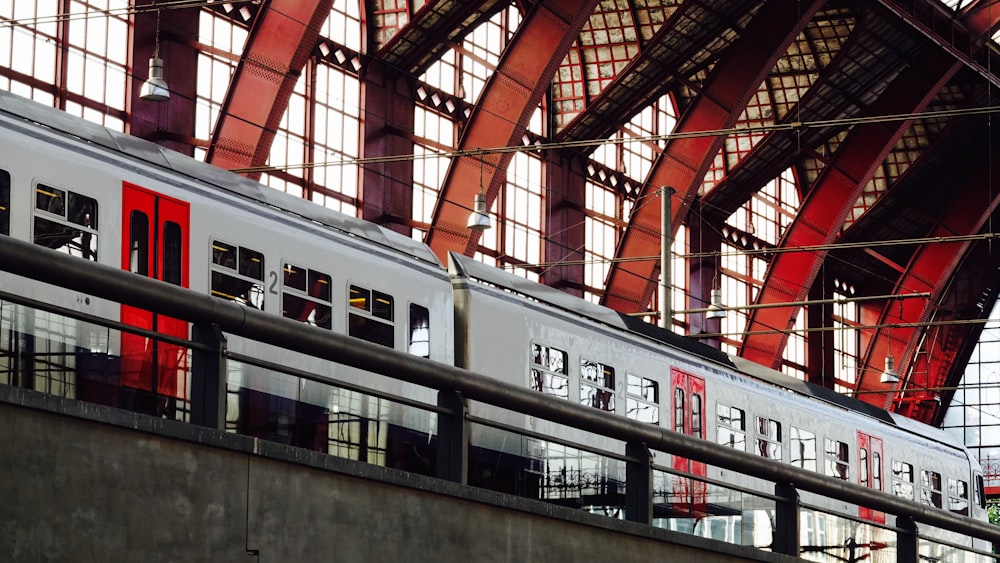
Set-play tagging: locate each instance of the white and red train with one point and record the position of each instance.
(70, 185)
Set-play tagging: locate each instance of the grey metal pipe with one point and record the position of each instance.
(39, 263)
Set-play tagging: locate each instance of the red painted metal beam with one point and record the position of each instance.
(930, 270)
(822, 214)
(982, 16)
(684, 162)
(279, 44)
(501, 116)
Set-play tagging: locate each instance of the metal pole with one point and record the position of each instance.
(666, 241)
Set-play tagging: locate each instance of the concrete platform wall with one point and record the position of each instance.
(82, 483)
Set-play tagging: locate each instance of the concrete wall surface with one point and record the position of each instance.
(86, 483)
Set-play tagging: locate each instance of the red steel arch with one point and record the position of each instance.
(684, 162)
(822, 214)
(280, 42)
(501, 115)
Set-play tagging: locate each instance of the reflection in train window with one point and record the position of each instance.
(138, 256)
(768, 442)
(802, 444)
(731, 427)
(837, 459)
(642, 399)
(549, 370)
(930, 488)
(696, 416)
(370, 326)
(305, 296)
(420, 331)
(958, 496)
(597, 385)
(65, 221)
(238, 274)
(4, 202)
(902, 479)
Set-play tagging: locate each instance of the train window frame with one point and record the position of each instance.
(66, 220)
(930, 488)
(4, 202)
(597, 385)
(799, 441)
(902, 479)
(958, 496)
(767, 438)
(368, 321)
(419, 340)
(310, 301)
(238, 277)
(836, 459)
(980, 490)
(638, 403)
(726, 429)
(548, 372)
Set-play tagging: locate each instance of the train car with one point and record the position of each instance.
(522, 332)
(82, 189)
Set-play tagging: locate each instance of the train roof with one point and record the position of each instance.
(163, 157)
(470, 268)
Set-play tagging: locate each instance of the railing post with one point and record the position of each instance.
(453, 438)
(907, 544)
(208, 377)
(638, 483)
(786, 520)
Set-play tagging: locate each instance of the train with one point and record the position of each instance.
(100, 195)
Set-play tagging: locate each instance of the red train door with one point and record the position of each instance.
(870, 472)
(154, 244)
(688, 406)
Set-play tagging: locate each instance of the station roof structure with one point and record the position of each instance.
(879, 110)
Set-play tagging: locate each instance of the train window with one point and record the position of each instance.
(305, 296)
(958, 496)
(597, 385)
(803, 448)
(731, 427)
(420, 331)
(679, 413)
(979, 491)
(768, 438)
(549, 371)
(696, 416)
(172, 252)
(138, 259)
(876, 470)
(66, 221)
(863, 467)
(4, 202)
(837, 459)
(902, 479)
(372, 329)
(238, 274)
(930, 488)
(642, 399)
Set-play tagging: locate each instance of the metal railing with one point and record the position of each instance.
(212, 317)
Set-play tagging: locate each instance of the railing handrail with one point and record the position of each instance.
(106, 282)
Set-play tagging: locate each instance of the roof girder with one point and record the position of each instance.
(279, 44)
(684, 161)
(500, 118)
(822, 213)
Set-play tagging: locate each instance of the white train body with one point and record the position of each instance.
(479, 318)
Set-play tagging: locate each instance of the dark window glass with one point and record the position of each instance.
(863, 467)
(305, 296)
(382, 305)
(696, 416)
(371, 330)
(876, 471)
(420, 331)
(139, 243)
(4, 202)
(360, 298)
(172, 253)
